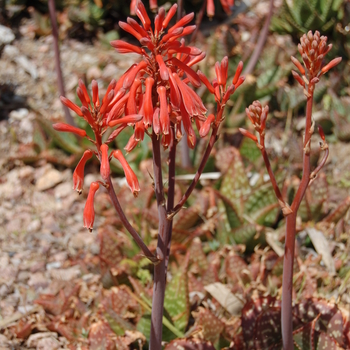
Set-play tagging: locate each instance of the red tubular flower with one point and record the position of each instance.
(175, 96)
(124, 47)
(131, 106)
(330, 65)
(94, 88)
(128, 28)
(105, 170)
(153, 5)
(224, 70)
(129, 79)
(164, 74)
(137, 27)
(239, 82)
(68, 128)
(83, 88)
(130, 176)
(118, 108)
(133, 7)
(210, 8)
(238, 73)
(148, 106)
(191, 75)
(132, 143)
(78, 175)
(129, 119)
(139, 132)
(169, 15)
(142, 14)
(206, 82)
(204, 130)
(248, 134)
(164, 116)
(298, 65)
(106, 102)
(156, 122)
(89, 211)
(183, 21)
(81, 96)
(298, 78)
(71, 105)
(166, 140)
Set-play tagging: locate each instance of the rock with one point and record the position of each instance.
(63, 190)
(19, 114)
(27, 65)
(48, 180)
(48, 344)
(34, 226)
(11, 51)
(3, 340)
(110, 71)
(93, 72)
(34, 339)
(38, 280)
(6, 35)
(66, 274)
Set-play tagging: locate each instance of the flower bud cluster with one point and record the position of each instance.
(152, 96)
(312, 48)
(257, 115)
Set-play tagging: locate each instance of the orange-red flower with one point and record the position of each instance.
(78, 175)
(69, 128)
(104, 168)
(130, 176)
(89, 211)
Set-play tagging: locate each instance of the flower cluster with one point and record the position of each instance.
(312, 48)
(257, 115)
(152, 96)
(227, 5)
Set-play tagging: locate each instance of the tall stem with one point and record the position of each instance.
(195, 180)
(127, 224)
(171, 189)
(60, 82)
(159, 269)
(287, 283)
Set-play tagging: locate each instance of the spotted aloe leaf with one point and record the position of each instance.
(250, 312)
(262, 205)
(187, 218)
(209, 325)
(235, 185)
(268, 329)
(249, 235)
(101, 337)
(116, 305)
(234, 265)
(197, 255)
(249, 150)
(232, 216)
(176, 300)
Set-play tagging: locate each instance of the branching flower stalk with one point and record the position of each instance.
(154, 97)
(312, 49)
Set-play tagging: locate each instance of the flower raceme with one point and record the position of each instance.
(155, 95)
(226, 5)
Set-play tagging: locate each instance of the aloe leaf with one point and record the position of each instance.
(235, 185)
(176, 300)
(249, 150)
(65, 140)
(248, 235)
(261, 205)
